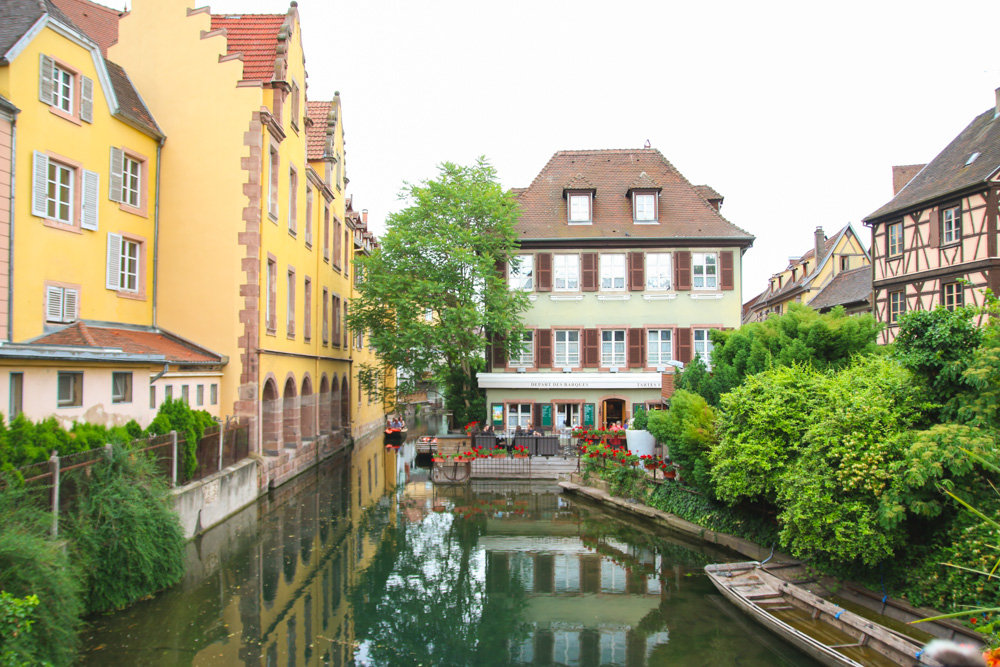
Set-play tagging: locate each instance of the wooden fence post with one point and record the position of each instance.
(222, 438)
(173, 459)
(54, 469)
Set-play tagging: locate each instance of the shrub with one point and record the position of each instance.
(702, 510)
(640, 420)
(688, 431)
(177, 415)
(15, 627)
(126, 534)
(32, 563)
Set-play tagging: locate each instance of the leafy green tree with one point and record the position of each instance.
(799, 336)
(688, 431)
(439, 255)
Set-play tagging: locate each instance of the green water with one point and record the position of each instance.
(334, 569)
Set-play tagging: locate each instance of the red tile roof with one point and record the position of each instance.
(130, 341)
(318, 112)
(683, 213)
(256, 37)
(100, 23)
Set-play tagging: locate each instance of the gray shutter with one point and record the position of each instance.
(91, 188)
(39, 188)
(117, 167)
(87, 99)
(71, 299)
(45, 65)
(114, 260)
(54, 303)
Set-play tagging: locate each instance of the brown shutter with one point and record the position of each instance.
(935, 231)
(591, 348)
(499, 355)
(543, 338)
(726, 268)
(588, 271)
(635, 348)
(543, 272)
(682, 267)
(501, 265)
(636, 272)
(536, 417)
(684, 345)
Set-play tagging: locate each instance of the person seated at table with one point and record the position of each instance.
(531, 430)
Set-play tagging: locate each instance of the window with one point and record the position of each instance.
(567, 348)
(526, 356)
(895, 231)
(579, 208)
(214, 394)
(845, 263)
(897, 306)
(704, 269)
(644, 207)
(429, 315)
(131, 182)
(272, 198)
(566, 272)
(336, 243)
(613, 272)
(168, 392)
(954, 296)
(62, 89)
(200, 394)
(293, 201)
(326, 317)
(703, 346)
(67, 92)
(121, 387)
(659, 346)
(125, 261)
(70, 389)
(152, 398)
(567, 415)
(127, 179)
(271, 305)
(309, 216)
(613, 348)
(335, 334)
(185, 396)
(61, 304)
(290, 313)
(518, 415)
(658, 271)
(951, 224)
(59, 200)
(294, 120)
(128, 272)
(521, 270)
(16, 395)
(307, 310)
(326, 233)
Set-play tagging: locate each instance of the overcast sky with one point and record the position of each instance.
(795, 112)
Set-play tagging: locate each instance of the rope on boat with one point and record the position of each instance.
(918, 654)
(837, 615)
(769, 557)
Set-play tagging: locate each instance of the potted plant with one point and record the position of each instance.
(520, 452)
(640, 441)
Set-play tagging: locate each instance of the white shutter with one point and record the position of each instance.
(114, 260)
(45, 65)
(71, 299)
(54, 303)
(40, 186)
(87, 99)
(91, 188)
(117, 167)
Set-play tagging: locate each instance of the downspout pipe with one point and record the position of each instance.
(156, 234)
(166, 367)
(10, 250)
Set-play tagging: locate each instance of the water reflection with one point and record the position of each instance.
(365, 562)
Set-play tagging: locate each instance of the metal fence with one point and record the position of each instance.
(56, 483)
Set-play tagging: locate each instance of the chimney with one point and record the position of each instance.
(820, 244)
(364, 216)
(903, 174)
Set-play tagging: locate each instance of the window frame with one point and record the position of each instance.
(307, 309)
(124, 259)
(290, 304)
(64, 288)
(273, 165)
(610, 361)
(518, 280)
(568, 360)
(526, 357)
(75, 400)
(131, 182)
(517, 411)
(956, 298)
(704, 264)
(653, 199)
(894, 246)
(658, 361)
(895, 309)
(293, 200)
(15, 394)
(706, 345)
(608, 260)
(956, 224)
(213, 394)
(579, 195)
(126, 395)
(669, 277)
(271, 290)
(73, 187)
(563, 272)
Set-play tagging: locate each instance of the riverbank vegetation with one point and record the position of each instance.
(807, 435)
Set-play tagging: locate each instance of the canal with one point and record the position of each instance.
(364, 562)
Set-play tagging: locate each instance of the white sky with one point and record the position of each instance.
(794, 111)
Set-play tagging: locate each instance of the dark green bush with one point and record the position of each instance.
(176, 415)
(740, 521)
(126, 535)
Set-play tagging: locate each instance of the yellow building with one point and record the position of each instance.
(79, 269)
(835, 272)
(253, 210)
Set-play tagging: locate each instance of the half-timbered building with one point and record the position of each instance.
(935, 242)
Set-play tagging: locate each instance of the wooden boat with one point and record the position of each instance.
(394, 437)
(426, 444)
(819, 628)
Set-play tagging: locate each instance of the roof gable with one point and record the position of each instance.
(130, 340)
(951, 171)
(316, 133)
(100, 23)
(256, 37)
(683, 212)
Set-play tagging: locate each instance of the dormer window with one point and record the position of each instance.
(643, 206)
(580, 205)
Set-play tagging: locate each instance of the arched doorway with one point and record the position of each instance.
(614, 411)
(270, 430)
(345, 404)
(324, 404)
(335, 404)
(290, 423)
(307, 409)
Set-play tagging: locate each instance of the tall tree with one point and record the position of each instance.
(431, 295)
